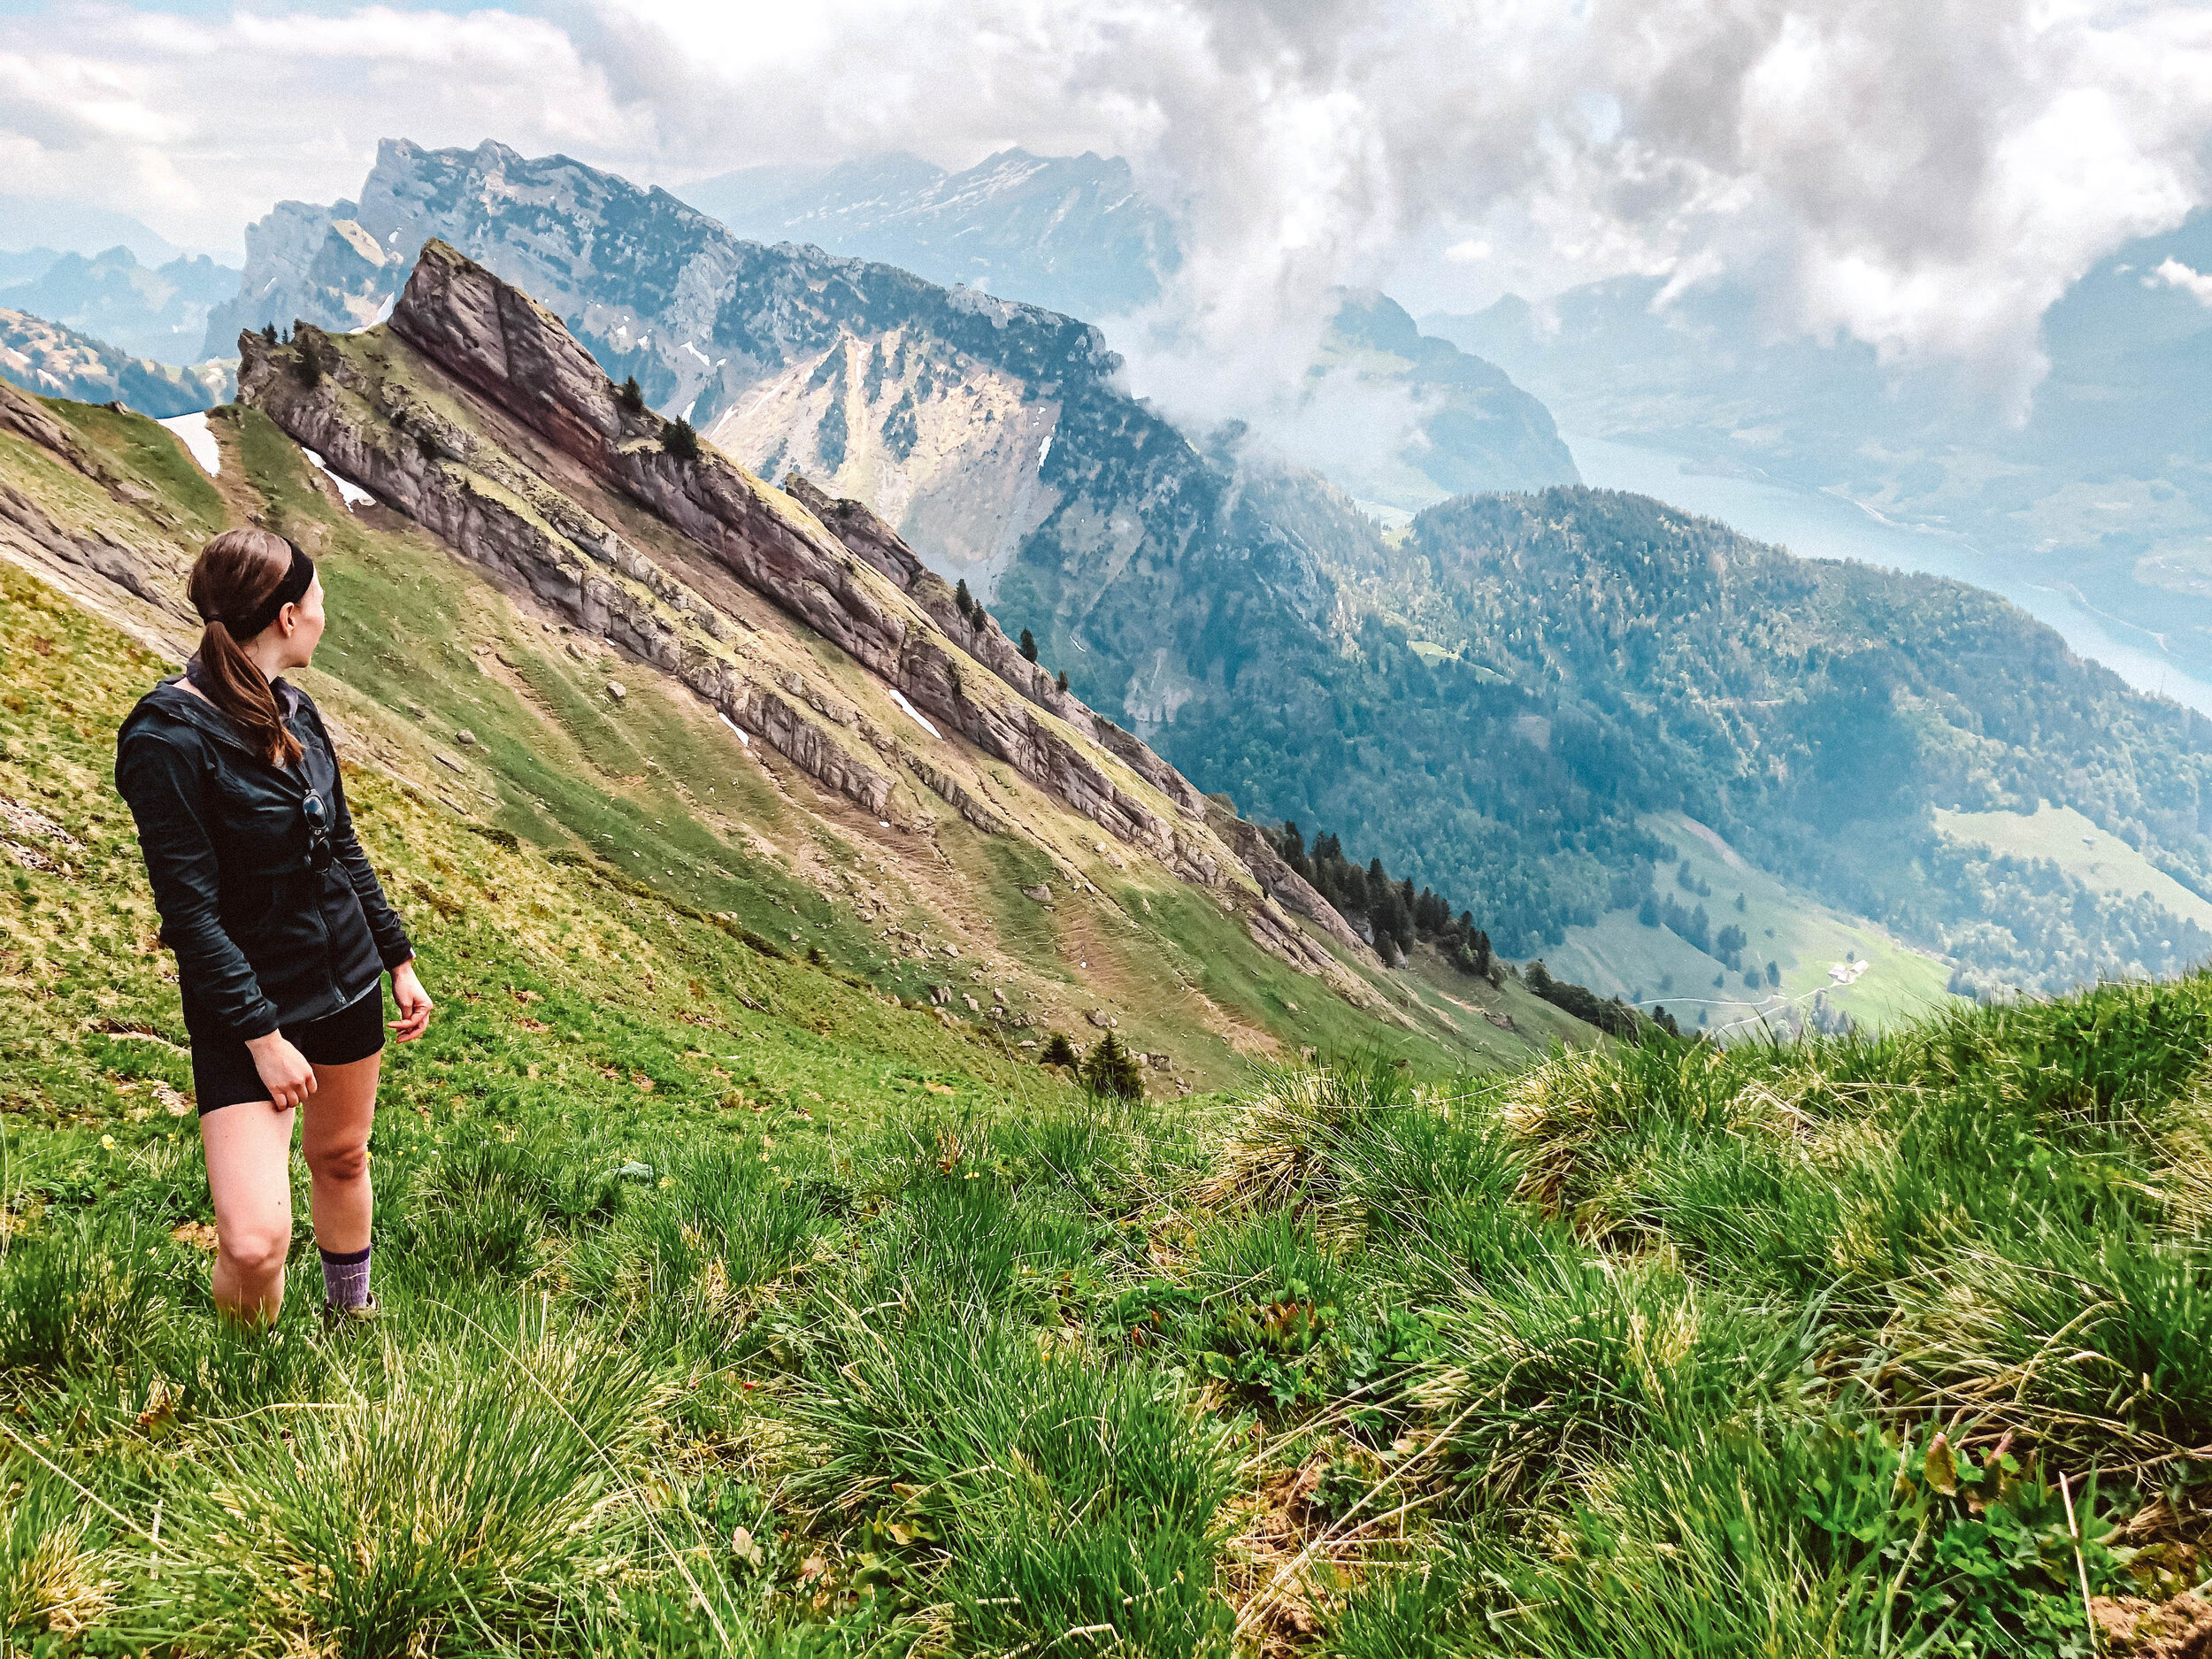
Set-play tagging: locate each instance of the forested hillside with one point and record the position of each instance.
(1815, 712)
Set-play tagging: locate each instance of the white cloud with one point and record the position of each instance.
(2174, 275)
(1927, 175)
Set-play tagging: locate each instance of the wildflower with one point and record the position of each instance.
(108, 1142)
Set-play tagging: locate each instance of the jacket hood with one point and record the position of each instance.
(170, 700)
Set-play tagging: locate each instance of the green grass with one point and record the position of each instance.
(2076, 846)
(156, 457)
(1678, 1350)
(1804, 937)
(732, 1307)
(1640, 1351)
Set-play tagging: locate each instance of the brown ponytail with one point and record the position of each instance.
(234, 576)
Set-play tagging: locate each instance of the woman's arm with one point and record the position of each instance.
(393, 946)
(161, 785)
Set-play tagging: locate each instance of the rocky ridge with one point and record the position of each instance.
(1099, 523)
(477, 414)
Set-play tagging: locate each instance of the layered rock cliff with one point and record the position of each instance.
(993, 436)
(478, 415)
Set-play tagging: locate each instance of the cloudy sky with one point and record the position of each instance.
(1925, 175)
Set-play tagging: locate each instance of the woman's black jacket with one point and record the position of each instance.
(263, 939)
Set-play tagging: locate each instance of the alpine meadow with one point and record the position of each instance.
(1124, 964)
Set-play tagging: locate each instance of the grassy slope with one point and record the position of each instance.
(1803, 936)
(2065, 838)
(898, 1343)
(422, 649)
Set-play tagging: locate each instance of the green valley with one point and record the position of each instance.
(1827, 963)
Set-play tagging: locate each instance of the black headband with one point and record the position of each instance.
(290, 591)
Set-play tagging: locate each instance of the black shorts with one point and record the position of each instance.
(223, 1072)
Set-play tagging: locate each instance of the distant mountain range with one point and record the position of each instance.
(1074, 235)
(1068, 233)
(2105, 490)
(56, 362)
(1512, 703)
(156, 312)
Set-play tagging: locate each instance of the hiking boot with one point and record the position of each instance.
(336, 1318)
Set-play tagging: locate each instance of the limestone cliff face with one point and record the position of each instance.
(979, 634)
(992, 436)
(476, 413)
(949, 449)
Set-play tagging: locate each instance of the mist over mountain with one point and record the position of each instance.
(1251, 623)
(1400, 419)
(1440, 421)
(2102, 490)
(69, 224)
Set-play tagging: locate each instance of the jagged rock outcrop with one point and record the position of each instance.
(994, 436)
(1280, 882)
(363, 410)
(33, 538)
(979, 635)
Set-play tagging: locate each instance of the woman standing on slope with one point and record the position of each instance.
(277, 923)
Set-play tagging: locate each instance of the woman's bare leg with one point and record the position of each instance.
(335, 1143)
(248, 1151)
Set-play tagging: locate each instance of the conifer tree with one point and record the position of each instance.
(1029, 646)
(1111, 1069)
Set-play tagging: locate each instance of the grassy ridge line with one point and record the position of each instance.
(426, 649)
(81, 938)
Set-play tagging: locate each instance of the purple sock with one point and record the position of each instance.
(346, 1277)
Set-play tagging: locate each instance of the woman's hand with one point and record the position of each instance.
(283, 1068)
(414, 1002)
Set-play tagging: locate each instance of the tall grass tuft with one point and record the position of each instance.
(468, 1500)
(56, 1579)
